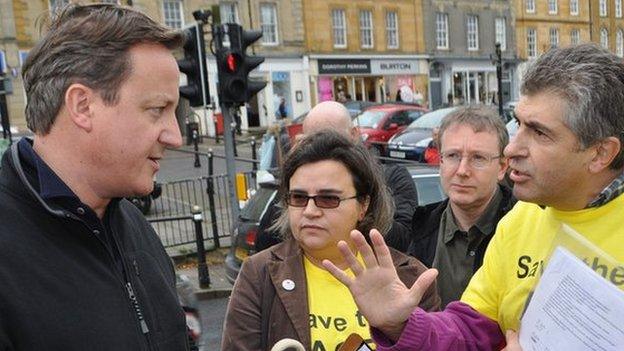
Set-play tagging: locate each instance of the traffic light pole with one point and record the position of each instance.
(499, 78)
(230, 162)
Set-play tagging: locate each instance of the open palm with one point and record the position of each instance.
(380, 295)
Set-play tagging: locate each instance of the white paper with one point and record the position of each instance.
(573, 309)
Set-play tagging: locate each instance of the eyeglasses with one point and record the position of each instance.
(321, 201)
(476, 160)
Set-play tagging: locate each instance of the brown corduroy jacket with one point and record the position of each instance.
(262, 311)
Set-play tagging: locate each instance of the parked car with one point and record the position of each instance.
(379, 123)
(356, 107)
(246, 228)
(410, 144)
(428, 188)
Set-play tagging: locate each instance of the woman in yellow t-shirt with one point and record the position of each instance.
(329, 187)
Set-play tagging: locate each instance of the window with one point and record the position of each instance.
(501, 32)
(554, 37)
(530, 6)
(340, 28)
(602, 8)
(618, 8)
(552, 7)
(56, 5)
(172, 11)
(392, 30)
(531, 42)
(366, 29)
(575, 37)
(619, 43)
(228, 12)
(442, 41)
(574, 7)
(268, 23)
(472, 30)
(604, 38)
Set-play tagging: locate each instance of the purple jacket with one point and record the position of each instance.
(459, 327)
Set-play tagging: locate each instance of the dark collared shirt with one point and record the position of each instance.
(456, 249)
(53, 190)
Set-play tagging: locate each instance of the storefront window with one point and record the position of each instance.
(281, 94)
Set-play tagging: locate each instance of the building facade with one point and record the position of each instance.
(365, 50)
(541, 25)
(460, 38)
(607, 24)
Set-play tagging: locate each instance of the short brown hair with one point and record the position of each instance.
(86, 44)
(481, 119)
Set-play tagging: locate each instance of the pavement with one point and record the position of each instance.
(219, 286)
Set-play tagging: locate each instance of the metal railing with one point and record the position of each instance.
(209, 193)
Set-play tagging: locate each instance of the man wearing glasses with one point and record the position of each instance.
(452, 235)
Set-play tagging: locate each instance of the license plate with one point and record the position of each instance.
(241, 254)
(397, 154)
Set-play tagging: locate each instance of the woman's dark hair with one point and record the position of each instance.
(365, 172)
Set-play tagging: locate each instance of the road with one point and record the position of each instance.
(178, 165)
(212, 313)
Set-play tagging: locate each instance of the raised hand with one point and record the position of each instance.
(380, 295)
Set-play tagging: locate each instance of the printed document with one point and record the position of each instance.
(574, 309)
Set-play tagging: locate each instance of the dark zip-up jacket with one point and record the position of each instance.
(60, 287)
(426, 224)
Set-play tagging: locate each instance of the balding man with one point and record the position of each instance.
(335, 116)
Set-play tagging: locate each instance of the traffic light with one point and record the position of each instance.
(234, 65)
(194, 66)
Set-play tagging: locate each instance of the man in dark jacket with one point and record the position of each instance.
(452, 235)
(80, 268)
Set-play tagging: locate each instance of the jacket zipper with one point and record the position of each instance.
(128, 285)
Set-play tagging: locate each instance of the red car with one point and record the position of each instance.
(379, 123)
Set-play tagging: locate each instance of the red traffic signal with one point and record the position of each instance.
(232, 62)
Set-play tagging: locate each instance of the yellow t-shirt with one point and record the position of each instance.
(333, 312)
(516, 255)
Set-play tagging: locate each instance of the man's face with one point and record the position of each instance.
(547, 165)
(130, 137)
(467, 186)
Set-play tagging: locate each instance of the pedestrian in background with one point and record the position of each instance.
(80, 267)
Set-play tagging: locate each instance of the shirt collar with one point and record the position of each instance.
(485, 224)
(50, 185)
(613, 190)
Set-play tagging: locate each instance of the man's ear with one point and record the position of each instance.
(79, 100)
(605, 152)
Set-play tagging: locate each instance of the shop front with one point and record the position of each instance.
(469, 82)
(377, 79)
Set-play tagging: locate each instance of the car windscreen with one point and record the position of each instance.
(431, 120)
(255, 207)
(369, 119)
(429, 189)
